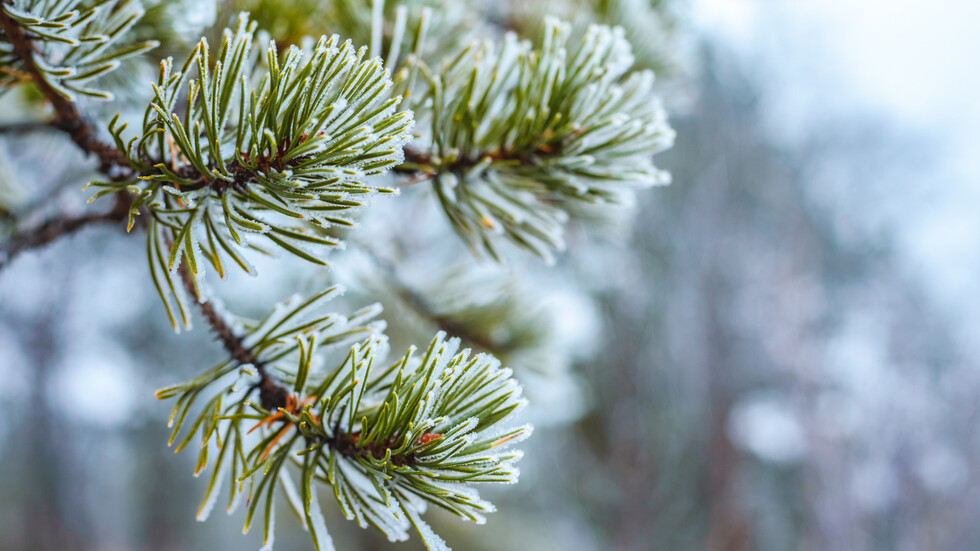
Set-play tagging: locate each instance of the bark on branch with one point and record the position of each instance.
(61, 226)
(271, 393)
(67, 116)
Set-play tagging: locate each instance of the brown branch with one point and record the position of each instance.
(69, 120)
(417, 157)
(271, 393)
(114, 164)
(421, 306)
(274, 396)
(421, 166)
(25, 127)
(61, 226)
(67, 116)
(417, 178)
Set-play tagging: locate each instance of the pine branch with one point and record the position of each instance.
(271, 394)
(387, 439)
(25, 127)
(263, 156)
(61, 226)
(67, 116)
(308, 134)
(521, 135)
(419, 162)
(421, 306)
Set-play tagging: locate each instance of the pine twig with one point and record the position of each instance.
(25, 127)
(421, 306)
(67, 116)
(420, 166)
(271, 393)
(61, 226)
(69, 120)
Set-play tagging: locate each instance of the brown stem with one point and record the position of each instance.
(61, 226)
(67, 116)
(417, 157)
(114, 164)
(417, 178)
(271, 393)
(25, 127)
(69, 120)
(422, 166)
(421, 306)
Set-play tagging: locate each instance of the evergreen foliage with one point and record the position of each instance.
(75, 42)
(386, 26)
(273, 153)
(387, 439)
(255, 148)
(517, 132)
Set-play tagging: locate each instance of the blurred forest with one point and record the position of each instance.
(743, 364)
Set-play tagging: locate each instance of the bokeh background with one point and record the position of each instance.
(776, 352)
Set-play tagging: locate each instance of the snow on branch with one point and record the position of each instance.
(71, 43)
(244, 151)
(389, 439)
(513, 134)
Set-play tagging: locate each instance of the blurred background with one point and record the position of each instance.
(776, 352)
